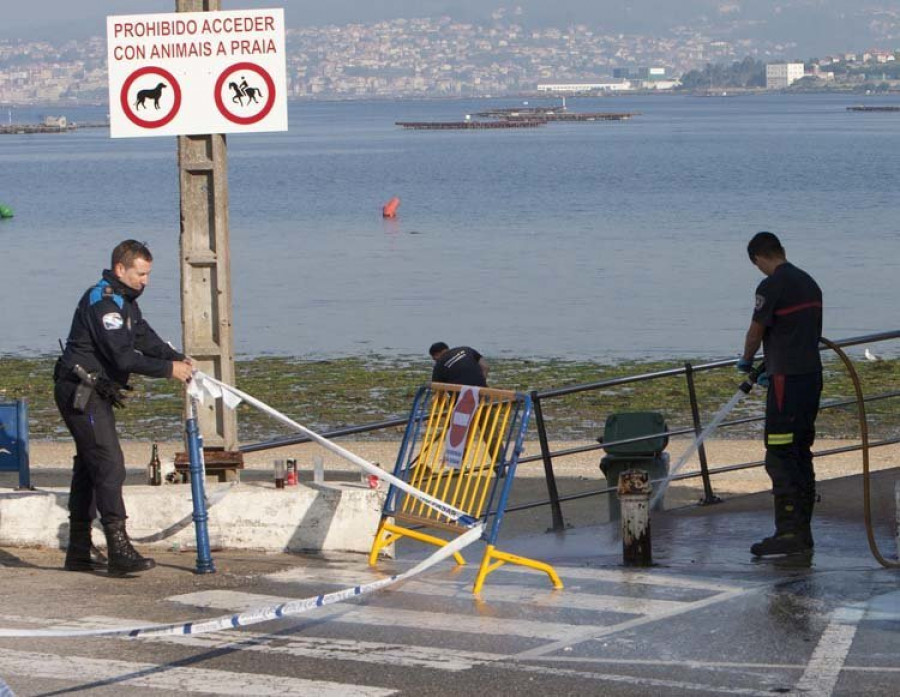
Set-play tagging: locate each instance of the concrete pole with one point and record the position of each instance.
(634, 500)
(897, 512)
(206, 265)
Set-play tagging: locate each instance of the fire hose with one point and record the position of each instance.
(864, 440)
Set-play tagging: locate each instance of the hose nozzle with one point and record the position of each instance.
(752, 377)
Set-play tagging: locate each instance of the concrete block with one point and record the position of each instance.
(318, 518)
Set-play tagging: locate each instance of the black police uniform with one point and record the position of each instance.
(110, 340)
(789, 305)
(459, 366)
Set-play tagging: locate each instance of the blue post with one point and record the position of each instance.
(14, 441)
(24, 461)
(195, 451)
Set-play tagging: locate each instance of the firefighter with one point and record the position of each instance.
(787, 321)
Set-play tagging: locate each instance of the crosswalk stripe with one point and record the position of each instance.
(630, 576)
(827, 660)
(600, 632)
(351, 572)
(384, 654)
(536, 597)
(394, 617)
(106, 672)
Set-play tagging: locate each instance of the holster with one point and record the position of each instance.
(82, 396)
(86, 384)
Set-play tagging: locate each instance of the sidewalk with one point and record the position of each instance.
(707, 618)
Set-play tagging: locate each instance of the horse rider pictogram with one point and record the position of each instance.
(244, 91)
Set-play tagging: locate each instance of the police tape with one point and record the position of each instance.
(203, 382)
(202, 385)
(185, 522)
(257, 615)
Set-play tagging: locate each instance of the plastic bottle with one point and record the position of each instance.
(318, 470)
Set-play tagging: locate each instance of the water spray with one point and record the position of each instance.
(742, 391)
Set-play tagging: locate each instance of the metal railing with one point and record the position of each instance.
(688, 371)
(547, 456)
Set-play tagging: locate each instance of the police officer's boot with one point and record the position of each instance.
(81, 555)
(123, 558)
(788, 537)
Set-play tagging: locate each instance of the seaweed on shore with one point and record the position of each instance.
(328, 394)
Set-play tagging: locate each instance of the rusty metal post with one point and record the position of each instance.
(634, 500)
(559, 524)
(206, 313)
(897, 512)
(708, 496)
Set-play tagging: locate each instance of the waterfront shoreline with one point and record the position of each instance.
(329, 394)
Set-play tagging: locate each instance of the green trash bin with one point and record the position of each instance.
(647, 455)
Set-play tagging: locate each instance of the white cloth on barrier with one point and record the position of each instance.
(288, 608)
(202, 385)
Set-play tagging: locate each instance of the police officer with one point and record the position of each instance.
(108, 341)
(787, 321)
(462, 365)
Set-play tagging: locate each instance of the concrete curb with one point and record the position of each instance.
(256, 516)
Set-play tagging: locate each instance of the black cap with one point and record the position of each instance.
(436, 348)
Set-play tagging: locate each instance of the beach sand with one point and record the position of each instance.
(575, 472)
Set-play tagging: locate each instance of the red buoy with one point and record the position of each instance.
(390, 208)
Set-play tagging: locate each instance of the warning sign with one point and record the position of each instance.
(189, 73)
(151, 97)
(241, 101)
(460, 420)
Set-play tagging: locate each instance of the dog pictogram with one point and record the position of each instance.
(153, 94)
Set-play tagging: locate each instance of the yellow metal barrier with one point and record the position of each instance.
(475, 478)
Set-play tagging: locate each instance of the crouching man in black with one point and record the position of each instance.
(108, 341)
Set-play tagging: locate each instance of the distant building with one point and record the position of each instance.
(670, 84)
(782, 75)
(643, 73)
(56, 122)
(608, 85)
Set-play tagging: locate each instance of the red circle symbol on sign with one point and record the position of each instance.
(462, 414)
(268, 96)
(144, 96)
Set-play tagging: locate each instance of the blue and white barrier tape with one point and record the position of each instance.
(185, 522)
(260, 614)
(202, 384)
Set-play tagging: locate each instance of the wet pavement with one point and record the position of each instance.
(706, 618)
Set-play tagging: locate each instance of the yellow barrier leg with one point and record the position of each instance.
(488, 565)
(388, 533)
(382, 540)
(423, 537)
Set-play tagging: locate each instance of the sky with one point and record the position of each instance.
(70, 15)
(816, 25)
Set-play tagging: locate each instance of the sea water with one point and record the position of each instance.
(601, 240)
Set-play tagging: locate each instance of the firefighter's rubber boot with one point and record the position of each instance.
(790, 536)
